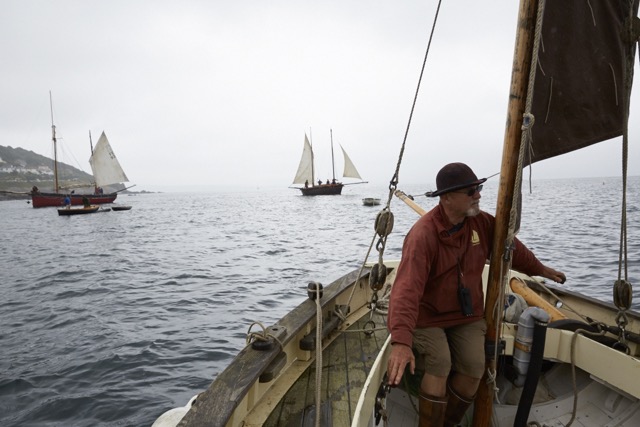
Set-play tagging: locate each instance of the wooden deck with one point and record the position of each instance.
(345, 366)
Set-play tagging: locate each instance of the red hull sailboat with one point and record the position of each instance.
(106, 171)
(306, 173)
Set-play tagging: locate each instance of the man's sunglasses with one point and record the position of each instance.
(471, 191)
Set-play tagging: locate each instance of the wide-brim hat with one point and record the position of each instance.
(454, 176)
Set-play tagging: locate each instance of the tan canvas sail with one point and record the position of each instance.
(305, 169)
(580, 80)
(350, 170)
(105, 165)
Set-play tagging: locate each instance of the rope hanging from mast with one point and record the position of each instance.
(622, 289)
(394, 181)
(384, 221)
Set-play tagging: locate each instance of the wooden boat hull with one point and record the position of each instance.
(43, 200)
(370, 201)
(78, 211)
(277, 386)
(323, 190)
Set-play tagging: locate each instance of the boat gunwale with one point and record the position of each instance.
(602, 306)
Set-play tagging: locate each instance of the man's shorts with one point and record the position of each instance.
(460, 348)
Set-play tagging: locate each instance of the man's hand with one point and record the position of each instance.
(556, 276)
(400, 355)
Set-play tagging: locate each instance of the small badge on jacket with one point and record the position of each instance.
(475, 239)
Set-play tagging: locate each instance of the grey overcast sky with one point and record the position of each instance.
(199, 93)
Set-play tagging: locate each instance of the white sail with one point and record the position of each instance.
(305, 169)
(350, 170)
(105, 165)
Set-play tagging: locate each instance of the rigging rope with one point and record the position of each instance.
(383, 227)
(394, 180)
(264, 336)
(628, 80)
(622, 291)
(574, 338)
(384, 221)
(385, 217)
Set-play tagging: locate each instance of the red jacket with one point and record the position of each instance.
(425, 291)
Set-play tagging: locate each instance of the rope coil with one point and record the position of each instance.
(261, 340)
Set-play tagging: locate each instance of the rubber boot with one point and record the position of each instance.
(432, 409)
(456, 408)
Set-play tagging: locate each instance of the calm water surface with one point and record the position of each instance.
(114, 318)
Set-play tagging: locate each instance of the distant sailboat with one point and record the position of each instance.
(106, 171)
(306, 173)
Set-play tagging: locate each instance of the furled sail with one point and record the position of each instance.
(305, 169)
(105, 165)
(350, 170)
(579, 94)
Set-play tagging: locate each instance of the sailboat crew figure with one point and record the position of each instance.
(306, 173)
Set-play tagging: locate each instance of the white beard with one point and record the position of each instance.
(473, 210)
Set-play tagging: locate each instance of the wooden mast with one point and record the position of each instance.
(55, 147)
(483, 407)
(333, 168)
(95, 183)
(313, 174)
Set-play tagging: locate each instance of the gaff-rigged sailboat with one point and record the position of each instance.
(106, 171)
(306, 173)
(568, 360)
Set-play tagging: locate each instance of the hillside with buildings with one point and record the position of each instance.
(21, 169)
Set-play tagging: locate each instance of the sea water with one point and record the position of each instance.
(113, 318)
